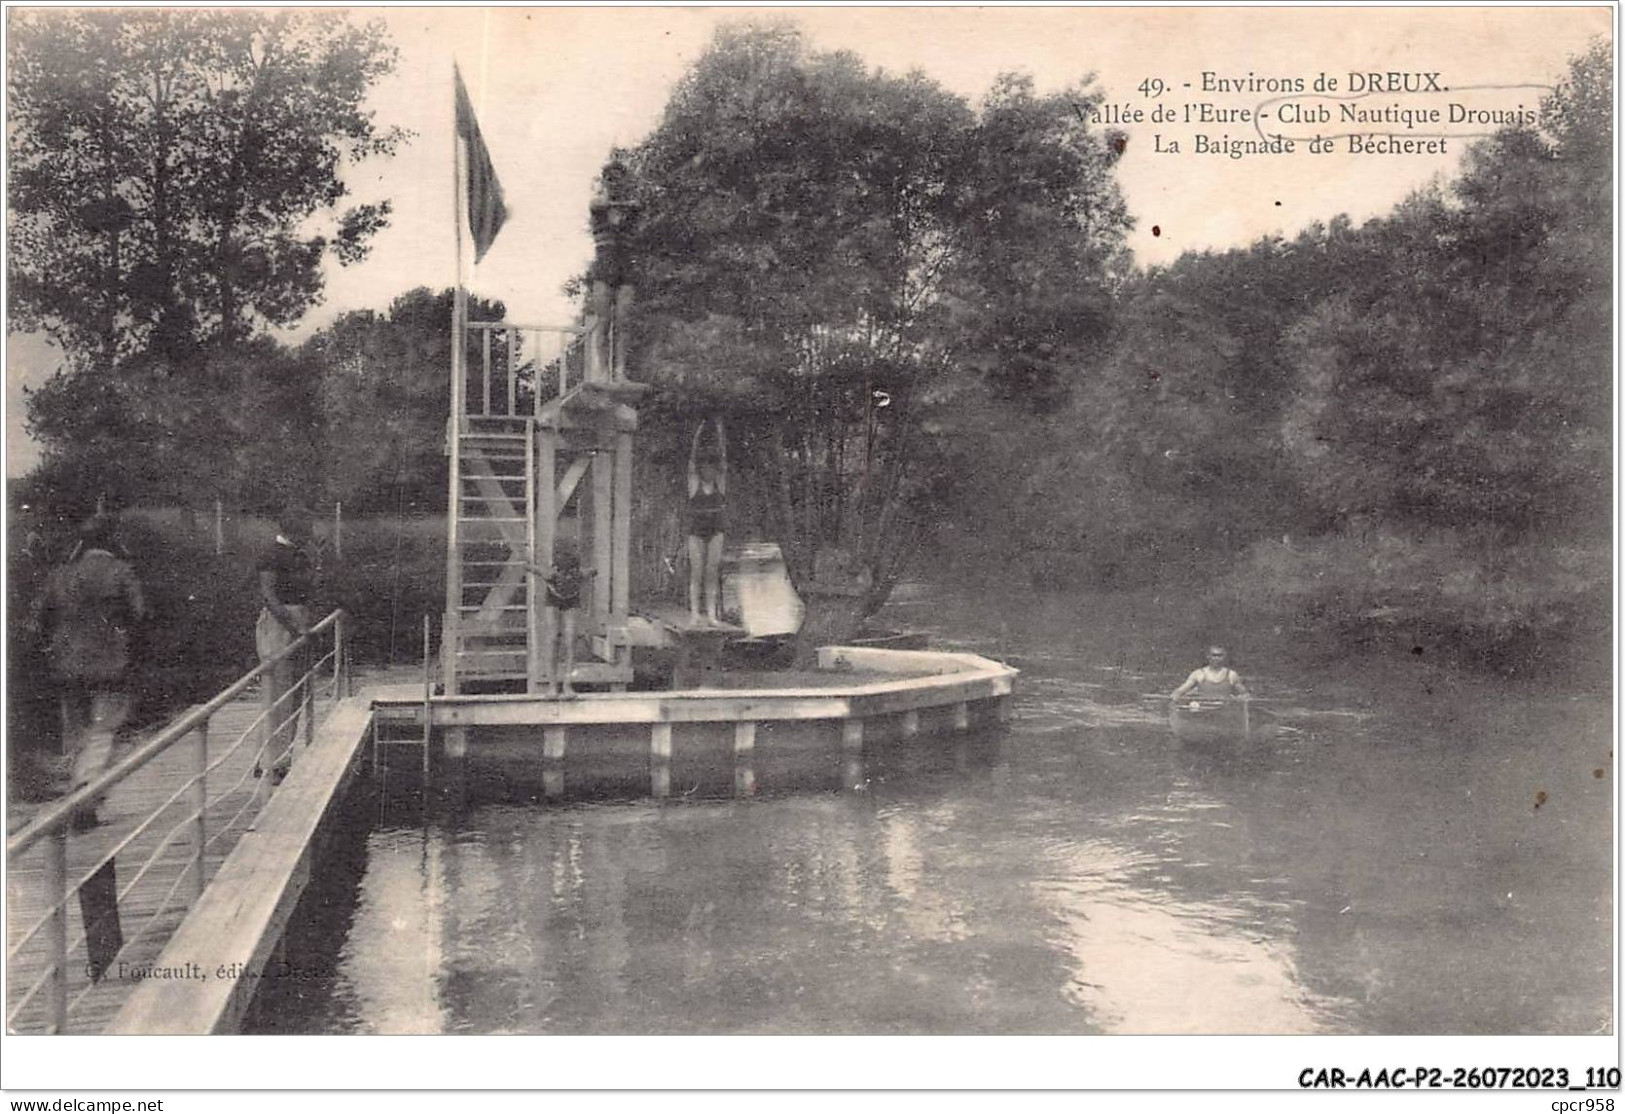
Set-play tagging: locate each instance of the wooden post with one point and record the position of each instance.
(744, 757)
(338, 528)
(308, 700)
(621, 541)
(268, 718)
(852, 770)
(56, 891)
(535, 587)
(910, 726)
(603, 482)
(553, 743)
(621, 547)
(546, 521)
(513, 368)
(200, 803)
(660, 759)
(219, 528)
(456, 742)
(428, 704)
(485, 372)
(341, 679)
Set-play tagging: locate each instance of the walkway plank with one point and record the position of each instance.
(230, 936)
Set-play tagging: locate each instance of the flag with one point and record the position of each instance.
(486, 212)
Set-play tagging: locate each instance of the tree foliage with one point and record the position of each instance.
(856, 266)
(1461, 379)
(165, 165)
(385, 398)
(1393, 422)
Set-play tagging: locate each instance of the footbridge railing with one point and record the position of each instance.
(56, 978)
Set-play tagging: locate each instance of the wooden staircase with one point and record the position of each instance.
(540, 442)
(493, 536)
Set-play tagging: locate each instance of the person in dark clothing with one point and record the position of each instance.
(288, 573)
(87, 612)
(33, 728)
(707, 523)
(564, 586)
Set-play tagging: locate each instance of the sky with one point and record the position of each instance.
(556, 88)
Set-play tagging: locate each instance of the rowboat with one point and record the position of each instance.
(1210, 721)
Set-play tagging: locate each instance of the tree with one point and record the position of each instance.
(853, 264)
(385, 398)
(165, 165)
(242, 425)
(1463, 380)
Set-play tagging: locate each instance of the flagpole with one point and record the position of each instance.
(460, 303)
(449, 636)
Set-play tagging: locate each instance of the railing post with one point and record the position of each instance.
(268, 734)
(308, 700)
(56, 889)
(341, 672)
(200, 802)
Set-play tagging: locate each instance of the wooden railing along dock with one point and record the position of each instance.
(170, 813)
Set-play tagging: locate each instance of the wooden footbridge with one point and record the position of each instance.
(90, 910)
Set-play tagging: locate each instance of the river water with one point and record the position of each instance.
(1408, 851)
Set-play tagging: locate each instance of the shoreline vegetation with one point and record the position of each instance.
(1394, 437)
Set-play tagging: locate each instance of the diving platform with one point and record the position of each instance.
(849, 685)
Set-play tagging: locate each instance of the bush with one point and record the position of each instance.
(203, 605)
(1516, 608)
(392, 574)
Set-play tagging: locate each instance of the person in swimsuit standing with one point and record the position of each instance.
(564, 585)
(707, 515)
(1213, 681)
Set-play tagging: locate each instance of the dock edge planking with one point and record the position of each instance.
(247, 906)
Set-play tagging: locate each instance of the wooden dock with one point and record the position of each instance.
(194, 968)
(150, 913)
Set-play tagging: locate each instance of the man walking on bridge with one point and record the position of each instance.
(90, 605)
(287, 573)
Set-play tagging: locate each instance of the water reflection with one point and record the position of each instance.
(394, 957)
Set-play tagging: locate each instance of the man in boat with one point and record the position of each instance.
(1213, 681)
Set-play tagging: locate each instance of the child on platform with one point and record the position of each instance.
(564, 584)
